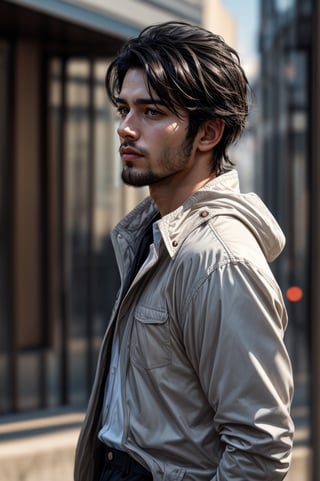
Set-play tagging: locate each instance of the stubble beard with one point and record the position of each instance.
(171, 163)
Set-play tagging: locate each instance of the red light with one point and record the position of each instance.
(294, 293)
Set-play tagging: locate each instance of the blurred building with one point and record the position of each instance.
(217, 18)
(60, 195)
(289, 180)
(60, 189)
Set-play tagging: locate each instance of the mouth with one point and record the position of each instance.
(128, 154)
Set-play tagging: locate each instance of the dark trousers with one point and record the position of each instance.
(119, 466)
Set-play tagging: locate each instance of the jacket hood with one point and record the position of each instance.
(222, 196)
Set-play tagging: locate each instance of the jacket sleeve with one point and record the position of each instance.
(233, 334)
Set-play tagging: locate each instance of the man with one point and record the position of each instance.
(193, 380)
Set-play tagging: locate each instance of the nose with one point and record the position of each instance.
(128, 128)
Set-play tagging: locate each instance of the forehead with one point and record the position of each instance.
(135, 84)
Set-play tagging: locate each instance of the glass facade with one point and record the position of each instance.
(285, 45)
(86, 201)
(49, 342)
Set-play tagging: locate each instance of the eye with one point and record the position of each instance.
(151, 112)
(122, 111)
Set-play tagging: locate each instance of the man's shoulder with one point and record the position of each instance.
(223, 239)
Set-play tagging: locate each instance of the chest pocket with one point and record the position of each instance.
(150, 342)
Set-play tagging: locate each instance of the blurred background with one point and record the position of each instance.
(61, 194)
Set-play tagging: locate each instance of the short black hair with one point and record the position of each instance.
(193, 69)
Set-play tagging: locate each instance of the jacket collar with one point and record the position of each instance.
(220, 196)
(176, 225)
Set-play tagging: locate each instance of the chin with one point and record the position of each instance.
(133, 178)
(137, 178)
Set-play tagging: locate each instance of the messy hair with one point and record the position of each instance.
(192, 69)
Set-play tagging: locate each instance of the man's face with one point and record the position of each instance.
(153, 144)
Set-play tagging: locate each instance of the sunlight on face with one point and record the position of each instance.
(153, 139)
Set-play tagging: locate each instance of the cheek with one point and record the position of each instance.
(174, 138)
(173, 128)
(171, 136)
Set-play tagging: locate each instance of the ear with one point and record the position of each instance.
(210, 134)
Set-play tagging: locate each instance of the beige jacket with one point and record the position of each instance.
(207, 382)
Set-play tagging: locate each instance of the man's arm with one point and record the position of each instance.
(233, 334)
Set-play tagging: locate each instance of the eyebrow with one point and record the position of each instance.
(141, 101)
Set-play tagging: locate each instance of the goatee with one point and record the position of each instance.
(130, 176)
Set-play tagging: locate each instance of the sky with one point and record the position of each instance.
(246, 13)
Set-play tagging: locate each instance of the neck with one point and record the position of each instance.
(169, 197)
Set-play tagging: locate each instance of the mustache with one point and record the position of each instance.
(133, 145)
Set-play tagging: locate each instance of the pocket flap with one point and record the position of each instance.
(150, 315)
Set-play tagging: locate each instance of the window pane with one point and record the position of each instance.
(77, 228)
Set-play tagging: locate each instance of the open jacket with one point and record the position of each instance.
(207, 383)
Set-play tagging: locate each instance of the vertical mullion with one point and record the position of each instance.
(44, 234)
(90, 244)
(13, 368)
(62, 239)
(315, 240)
